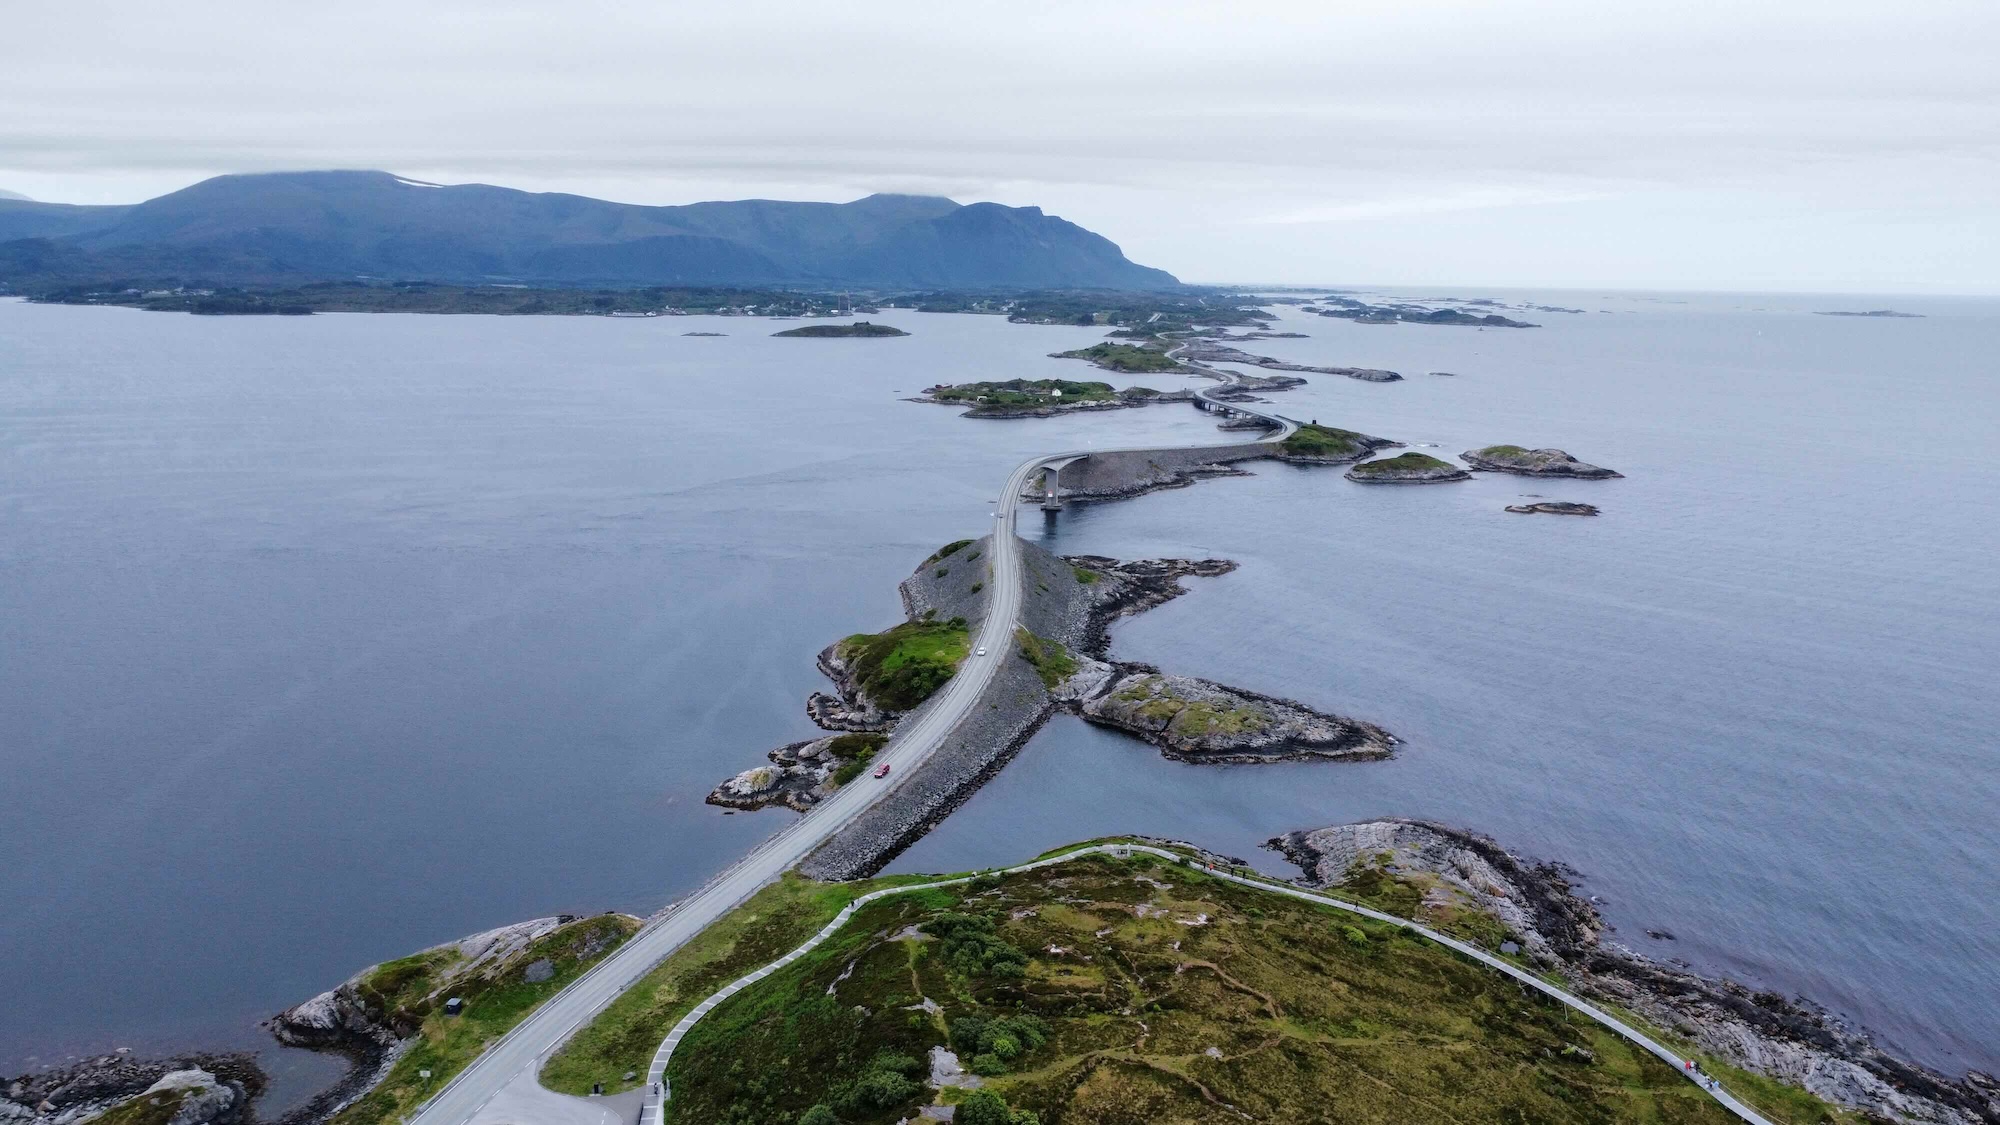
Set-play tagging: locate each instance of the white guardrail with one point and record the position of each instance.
(658, 1090)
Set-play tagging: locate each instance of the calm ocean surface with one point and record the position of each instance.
(325, 639)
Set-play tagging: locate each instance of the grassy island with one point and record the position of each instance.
(1124, 357)
(903, 666)
(1129, 992)
(858, 328)
(1315, 440)
(1024, 392)
(1410, 466)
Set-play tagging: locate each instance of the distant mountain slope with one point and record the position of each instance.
(297, 226)
(15, 195)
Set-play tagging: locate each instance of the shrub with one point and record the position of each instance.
(973, 947)
(819, 1115)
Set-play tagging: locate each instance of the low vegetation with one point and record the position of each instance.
(1315, 440)
(1024, 392)
(1124, 357)
(1130, 992)
(623, 1037)
(1053, 663)
(494, 1003)
(948, 550)
(1412, 462)
(854, 751)
(904, 666)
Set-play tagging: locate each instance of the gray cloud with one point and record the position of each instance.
(1825, 143)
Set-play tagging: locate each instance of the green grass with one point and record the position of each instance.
(903, 666)
(445, 1044)
(624, 1036)
(1316, 1016)
(155, 1109)
(856, 744)
(1315, 440)
(1406, 462)
(1124, 357)
(948, 550)
(1085, 575)
(1052, 661)
(1503, 451)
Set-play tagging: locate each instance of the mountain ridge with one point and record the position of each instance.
(285, 227)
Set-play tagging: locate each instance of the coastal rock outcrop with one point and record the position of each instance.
(375, 1016)
(184, 1090)
(1314, 444)
(1445, 876)
(1195, 720)
(1406, 468)
(1533, 463)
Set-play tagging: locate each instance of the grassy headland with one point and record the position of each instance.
(1137, 992)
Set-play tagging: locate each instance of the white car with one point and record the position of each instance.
(981, 652)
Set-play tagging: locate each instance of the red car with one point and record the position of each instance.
(882, 770)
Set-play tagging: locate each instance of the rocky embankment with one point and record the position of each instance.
(1407, 468)
(1533, 463)
(118, 1089)
(1447, 871)
(1554, 508)
(1210, 352)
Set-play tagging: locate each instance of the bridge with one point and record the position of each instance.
(501, 1086)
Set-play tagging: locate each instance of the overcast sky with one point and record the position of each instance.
(1744, 144)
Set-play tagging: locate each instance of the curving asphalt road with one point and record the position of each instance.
(500, 1087)
(657, 1072)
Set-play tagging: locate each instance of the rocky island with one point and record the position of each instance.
(1314, 444)
(1042, 398)
(1193, 720)
(1123, 357)
(1555, 508)
(1362, 312)
(1407, 468)
(859, 328)
(1533, 463)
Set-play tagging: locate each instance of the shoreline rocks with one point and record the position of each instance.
(193, 1089)
(1533, 463)
(1449, 871)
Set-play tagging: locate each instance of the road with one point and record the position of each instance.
(1643, 1041)
(511, 1063)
